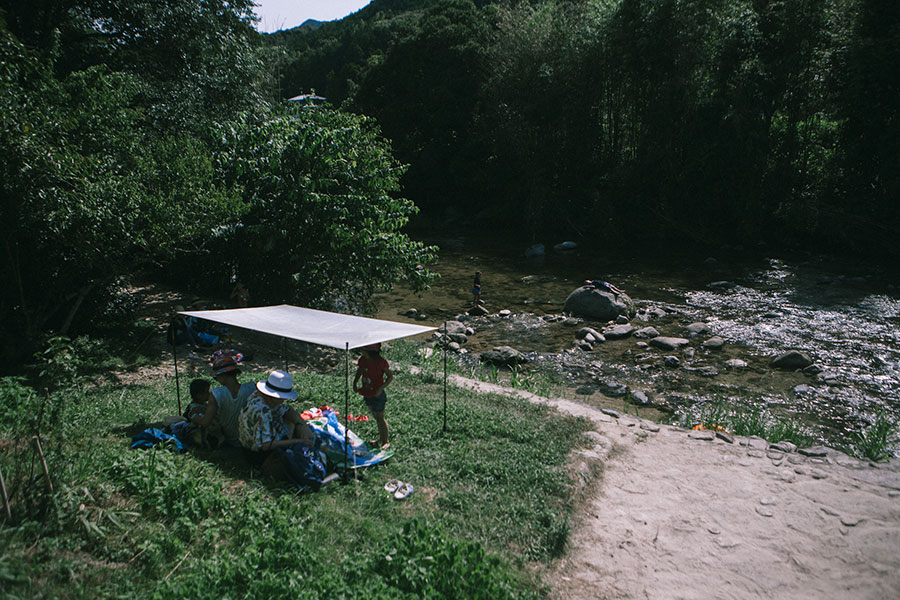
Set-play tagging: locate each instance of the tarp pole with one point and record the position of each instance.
(283, 354)
(346, 409)
(445, 376)
(177, 385)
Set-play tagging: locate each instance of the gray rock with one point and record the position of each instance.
(722, 285)
(702, 434)
(814, 451)
(453, 346)
(801, 389)
(586, 331)
(640, 399)
(592, 303)
(784, 446)
(698, 328)
(642, 345)
(621, 319)
(478, 311)
(651, 427)
(688, 353)
(646, 333)
(813, 370)
(714, 343)
(412, 312)
(459, 338)
(504, 313)
(724, 435)
(772, 315)
(735, 363)
(613, 389)
(668, 343)
(571, 322)
(671, 361)
(617, 332)
(610, 412)
(791, 361)
(503, 356)
(584, 345)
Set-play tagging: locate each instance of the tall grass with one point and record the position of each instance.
(745, 420)
(492, 496)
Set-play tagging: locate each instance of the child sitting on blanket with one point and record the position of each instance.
(373, 374)
(201, 395)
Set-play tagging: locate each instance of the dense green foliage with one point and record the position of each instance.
(689, 121)
(164, 525)
(140, 137)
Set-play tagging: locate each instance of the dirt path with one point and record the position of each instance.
(682, 515)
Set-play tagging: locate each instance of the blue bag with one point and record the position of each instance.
(303, 466)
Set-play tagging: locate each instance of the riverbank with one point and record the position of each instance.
(691, 514)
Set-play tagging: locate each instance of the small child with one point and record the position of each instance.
(200, 398)
(373, 374)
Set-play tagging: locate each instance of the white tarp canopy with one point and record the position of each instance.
(314, 326)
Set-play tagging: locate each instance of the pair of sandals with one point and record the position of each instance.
(399, 489)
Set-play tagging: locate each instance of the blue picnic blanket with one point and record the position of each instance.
(152, 436)
(332, 434)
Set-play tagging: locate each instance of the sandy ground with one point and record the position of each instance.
(682, 515)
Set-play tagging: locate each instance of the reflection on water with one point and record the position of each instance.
(846, 323)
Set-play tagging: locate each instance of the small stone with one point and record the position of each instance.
(724, 435)
(668, 343)
(796, 459)
(714, 530)
(818, 475)
(641, 345)
(765, 511)
(714, 343)
(621, 320)
(791, 361)
(851, 521)
(767, 501)
(610, 412)
(702, 434)
(504, 313)
(814, 451)
(671, 361)
(755, 453)
(736, 363)
(830, 511)
(646, 333)
(698, 328)
(641, 399)
(651, 427)
(784, 446)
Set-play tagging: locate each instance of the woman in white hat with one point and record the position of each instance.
(267, 423)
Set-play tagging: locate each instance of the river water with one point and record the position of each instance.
(842, 314)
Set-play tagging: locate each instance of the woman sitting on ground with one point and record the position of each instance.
(228, 399)
(266, 423)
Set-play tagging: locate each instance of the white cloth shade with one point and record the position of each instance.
(313, 326)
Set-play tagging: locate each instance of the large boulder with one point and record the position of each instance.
(592, 303)
(791, 361)
(505, 356)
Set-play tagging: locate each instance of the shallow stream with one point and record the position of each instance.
(843, 315)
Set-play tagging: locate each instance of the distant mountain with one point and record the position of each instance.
(309, 24)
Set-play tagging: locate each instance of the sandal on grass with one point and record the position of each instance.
(393, 485)
(403, 491)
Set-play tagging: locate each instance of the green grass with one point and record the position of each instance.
(745, 420)
(874, 441)
(492, 499)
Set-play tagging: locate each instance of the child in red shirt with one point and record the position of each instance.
(373, 374)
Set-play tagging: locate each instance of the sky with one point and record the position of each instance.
(284, 14)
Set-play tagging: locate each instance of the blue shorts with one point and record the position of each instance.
(376, 403)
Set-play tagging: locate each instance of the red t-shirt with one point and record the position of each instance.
(372, 376)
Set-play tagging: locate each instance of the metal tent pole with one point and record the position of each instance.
(445, 376)
(346, 409)
(177, 384)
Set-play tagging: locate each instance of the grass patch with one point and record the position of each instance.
(874, 442)
(492, 496)
(745, 420)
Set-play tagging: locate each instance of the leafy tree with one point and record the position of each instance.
(323, 227)
(88, 193)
